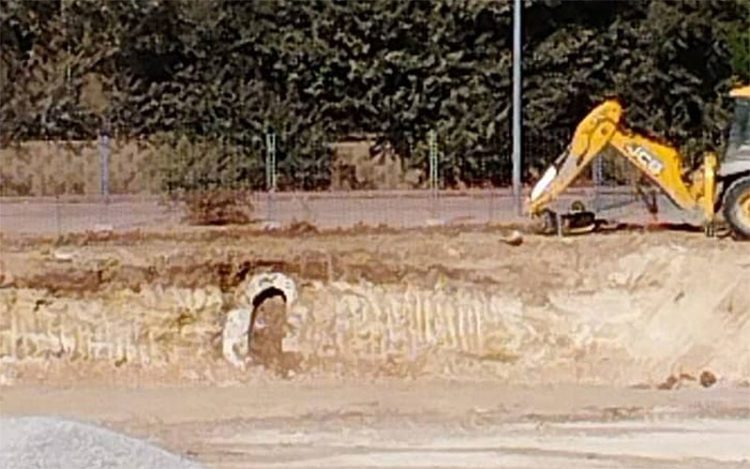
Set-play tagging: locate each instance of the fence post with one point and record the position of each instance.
(434, 172)
(270, 174)
(104, 154)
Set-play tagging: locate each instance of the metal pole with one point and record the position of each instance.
(433, 162)
(270, 175)
(104, 151)
(434, 171)
(517, 106)
(271, 162)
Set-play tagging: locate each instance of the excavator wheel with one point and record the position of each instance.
(737, 207)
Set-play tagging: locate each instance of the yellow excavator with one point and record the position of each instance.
(717, 187)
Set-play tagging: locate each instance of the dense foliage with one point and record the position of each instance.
(314, 71)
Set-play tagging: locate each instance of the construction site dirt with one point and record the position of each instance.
(422, 347)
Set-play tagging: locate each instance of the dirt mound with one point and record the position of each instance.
(694, 310)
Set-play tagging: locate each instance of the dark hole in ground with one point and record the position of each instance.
(267, 294)
(267, 330)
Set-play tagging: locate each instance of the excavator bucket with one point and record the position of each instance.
(559, 175)
(570, 223)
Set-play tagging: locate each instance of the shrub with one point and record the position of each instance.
(217, 207)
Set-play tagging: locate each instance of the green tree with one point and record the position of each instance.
(228, 71)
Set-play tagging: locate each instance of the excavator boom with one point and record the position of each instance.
(589, 139)
(601, 132)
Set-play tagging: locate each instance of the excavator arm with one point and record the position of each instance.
(599, 132)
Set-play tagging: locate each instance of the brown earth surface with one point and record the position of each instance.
(440, 347)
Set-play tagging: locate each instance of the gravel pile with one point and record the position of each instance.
(52, 443)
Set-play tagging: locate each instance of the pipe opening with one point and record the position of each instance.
(268, 327)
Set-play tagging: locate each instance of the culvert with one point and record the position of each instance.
(256, 328)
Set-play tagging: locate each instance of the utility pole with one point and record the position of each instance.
(517, 106)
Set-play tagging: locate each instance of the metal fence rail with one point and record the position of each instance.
(132, 185)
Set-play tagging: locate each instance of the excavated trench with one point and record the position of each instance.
(632, 318)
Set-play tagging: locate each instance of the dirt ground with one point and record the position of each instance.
(439, 347)
(435, 424)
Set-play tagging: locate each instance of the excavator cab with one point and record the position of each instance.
(734, 171)
(738, 147)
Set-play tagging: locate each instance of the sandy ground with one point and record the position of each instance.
(435, 424)
(440, 347)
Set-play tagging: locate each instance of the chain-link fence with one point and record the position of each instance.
(59, 187)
